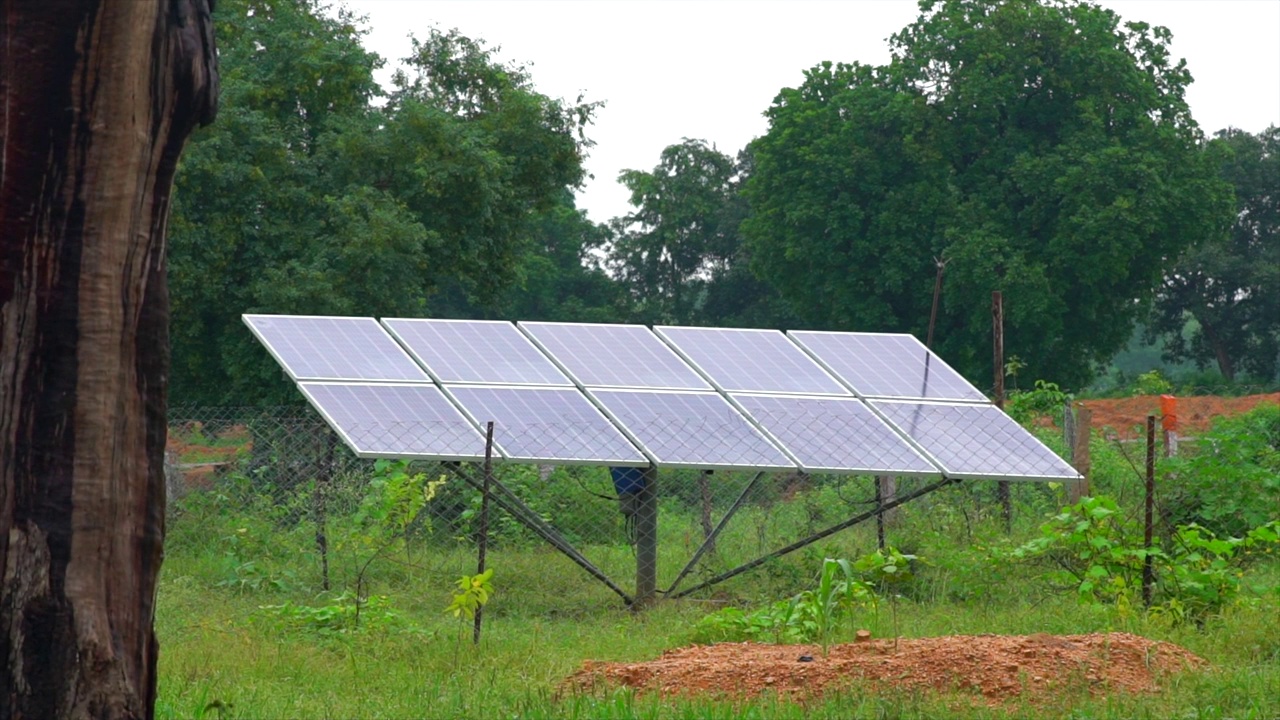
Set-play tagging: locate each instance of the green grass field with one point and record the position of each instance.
(225, 653)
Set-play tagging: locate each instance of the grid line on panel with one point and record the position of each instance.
(475, 351)
(972, 440)
(839, 435)
(690, 429)
(396, 420)
(334, 348)
(885, 365)
(547, 425)
(739, 360)
(620, 356)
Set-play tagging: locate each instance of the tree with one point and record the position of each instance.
(560, 278)
(1043, 149)
(682, 233)
(1230, 286)
(99, 99)
(336, 198)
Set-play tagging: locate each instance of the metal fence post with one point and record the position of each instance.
(646, 520)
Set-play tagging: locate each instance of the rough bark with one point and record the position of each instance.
(96, 101)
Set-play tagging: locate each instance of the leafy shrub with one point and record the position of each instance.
(1152, 382)
(1027, 405)
(811, 615)
(1092, 548)
(344, 614)
(1231, 482)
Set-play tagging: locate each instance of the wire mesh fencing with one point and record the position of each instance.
(277, 498)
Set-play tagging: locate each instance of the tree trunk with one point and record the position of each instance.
(1225, 365)
(96, 101)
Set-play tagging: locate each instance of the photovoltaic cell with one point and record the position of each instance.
(551, 425)
(975, 441)
(476, 351)
(622, 356)
(883, 365)
(835, 435)
(334, 348)
(751, 360)
(690, 429)
(396, 420)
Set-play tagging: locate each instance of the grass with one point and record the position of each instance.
(224, 656)
(231, 556)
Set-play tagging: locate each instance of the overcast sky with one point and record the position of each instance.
(670, 69)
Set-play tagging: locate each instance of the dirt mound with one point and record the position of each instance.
(1128, 416)
(993, 667)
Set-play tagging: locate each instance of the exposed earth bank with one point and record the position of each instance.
(993, 668)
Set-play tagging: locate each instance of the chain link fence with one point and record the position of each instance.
(279, 483)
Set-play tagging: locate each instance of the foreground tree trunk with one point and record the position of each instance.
(97, 99)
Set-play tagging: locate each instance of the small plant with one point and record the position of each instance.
(1027, 405)
(344, 614)
(1152, 382)
(251, 577)
(838, 591)
(889, 568)
(474, 593)
(1012, 367)
(812, 615)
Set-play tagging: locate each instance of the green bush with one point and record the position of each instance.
(1231, 481)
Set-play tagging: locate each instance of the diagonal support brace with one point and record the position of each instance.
(509, 501)
(711, 539)
(818, 536)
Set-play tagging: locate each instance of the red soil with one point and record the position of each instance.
(991, 668)
(1128, 416)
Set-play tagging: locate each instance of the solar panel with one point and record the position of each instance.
(396, 420)
(835, 435)
(751, 360)
(623, 356)
(975, 441)
(334, 348)
(690, 429)
(552, 425)
(475, 351)
(883, 365)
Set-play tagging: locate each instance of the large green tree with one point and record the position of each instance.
(320, 194)
(1044, 149)
(682, 231)
(1230, 286)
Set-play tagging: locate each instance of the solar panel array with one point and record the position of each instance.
(625, 395)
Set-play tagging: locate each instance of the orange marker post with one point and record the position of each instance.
(1169, 423)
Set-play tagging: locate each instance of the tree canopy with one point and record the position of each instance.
(320, 194)
(1044, 149)
(1230, 286)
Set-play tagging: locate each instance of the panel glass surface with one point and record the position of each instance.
(629, 356)
(751, 360)
(887, 365)
(839, 435)
(691, 429)
(557, 425)
(976, 441)
(334, 348)
(396, 420)
(476, 351)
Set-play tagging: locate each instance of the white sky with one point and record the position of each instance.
(708, 69)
